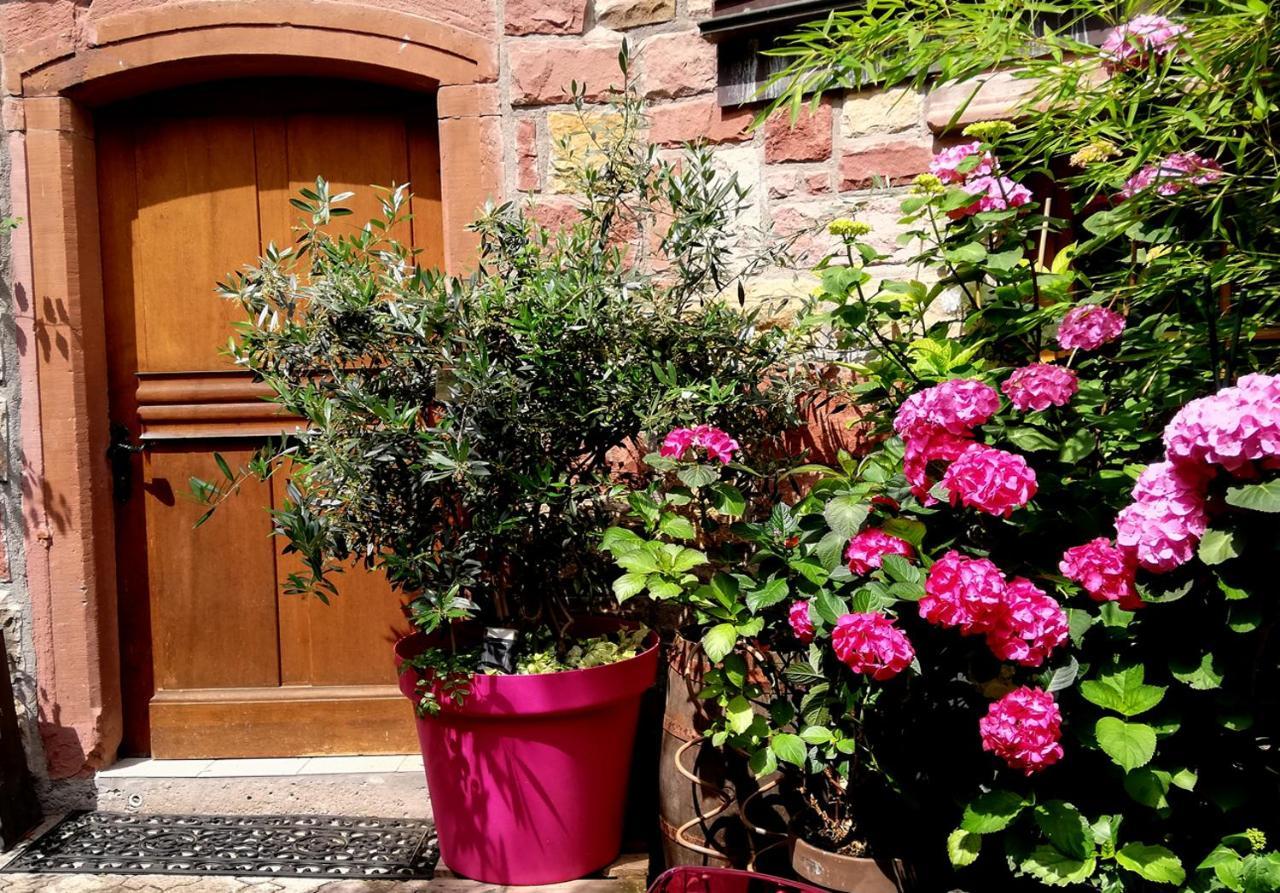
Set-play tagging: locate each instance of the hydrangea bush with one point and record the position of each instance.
(1033, 630)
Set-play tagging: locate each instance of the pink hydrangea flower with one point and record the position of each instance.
(1162, 526)
(1088, 327)
(1105, 571)
(1172, 174)
(1233, 428)
(935, 446)
(1023, 728)
(963, 592)
(990, 480)
(945, 165)
(801, 623)
(867, 549)
(1131, 44)
(956, 406)
(992, 194)
(1029, 626)
(717, 443)
(869, 643)
(1039, 386)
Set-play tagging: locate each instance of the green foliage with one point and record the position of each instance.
(461, 434)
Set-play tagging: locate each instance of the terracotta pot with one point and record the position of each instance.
(847, 874)
(528, 776)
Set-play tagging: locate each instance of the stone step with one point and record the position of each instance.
(629, 873)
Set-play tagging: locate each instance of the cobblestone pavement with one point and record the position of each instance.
(155, 883)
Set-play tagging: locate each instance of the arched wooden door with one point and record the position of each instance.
(218, 661)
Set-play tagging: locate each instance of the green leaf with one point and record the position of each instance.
(620, 539)
(628, 585)
(809, 568)
(1261, 873)
(1154, 863)
(900, 569)
(789, 748)
(1030, 439)
(696, 476)
(1264, 497)
(829, 606)
(739, 714)
(815, 735)
(1129, 744)
(971, 253)
(1130, 702)
(830, 550)
(677, 527)
(1148, 786)
(963, 847)
(907, 529)
(728, 500)
(1217, 546)
(1063, 677)
(762, 762)
(1080, 444)
(845, 514)
(1065, 827)
(663, 590)
(1056, 869)
(641, 561)
(767, 595)
(687, 560)
(992, 811)
(1203, 676)
(719, 641)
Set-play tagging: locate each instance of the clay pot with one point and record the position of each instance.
(847, 874)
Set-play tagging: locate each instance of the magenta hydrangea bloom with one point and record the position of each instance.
(867, 549)
(1163, 524)
(717, 443)
(869, 643)
(935, 446)
(1234, 428)
(956, 406)
(1130, 45)
(945, 165)
(1023, 728)
(1088, 327)
(801, 623)
(1029, 626)
(1172, 174)
(962, 592)
(992, 194)
(1105, 571)
(1039, 386)
(990, 480)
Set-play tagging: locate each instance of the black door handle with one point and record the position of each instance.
(120, 454)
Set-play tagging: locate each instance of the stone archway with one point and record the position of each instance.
(51, 87)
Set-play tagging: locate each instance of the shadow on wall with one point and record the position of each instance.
(18, 809)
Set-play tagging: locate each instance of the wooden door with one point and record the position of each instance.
(218, 661)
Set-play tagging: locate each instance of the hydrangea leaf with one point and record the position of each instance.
(1264, 497)
(1056, 869)
(719, 641)
(788, 748)
(992, 811)
(1065, 827)
(728, 499)
(1202, 676)
(845, 514)
(1153, 863)
(1217, 546)
(1129, 744)
(1148, 786)
(963, 847)
(628, 585)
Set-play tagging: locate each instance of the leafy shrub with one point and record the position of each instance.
(460, 434)
(1033, 629)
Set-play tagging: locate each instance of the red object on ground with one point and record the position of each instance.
(528, 777)
(725, 880)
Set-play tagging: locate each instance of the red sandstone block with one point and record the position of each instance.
(545, 16)
(527, 155)
(541, 70)
(698, 119)
(678, 64)
(808, 138)
(891, 162)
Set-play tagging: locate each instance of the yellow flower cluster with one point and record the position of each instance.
(988, 131)
(849, 229)
(1098, 150)
(928, 184)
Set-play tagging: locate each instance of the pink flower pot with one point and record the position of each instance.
(528, 777)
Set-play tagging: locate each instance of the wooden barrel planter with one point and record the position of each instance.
(701, 788)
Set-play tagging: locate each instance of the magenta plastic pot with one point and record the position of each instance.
(528, 777)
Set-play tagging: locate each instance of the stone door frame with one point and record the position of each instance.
(50, 90)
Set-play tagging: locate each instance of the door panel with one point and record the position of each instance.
(218, 660)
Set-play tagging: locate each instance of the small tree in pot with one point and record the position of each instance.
(461, 436)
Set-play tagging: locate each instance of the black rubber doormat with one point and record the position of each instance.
(263, 845)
